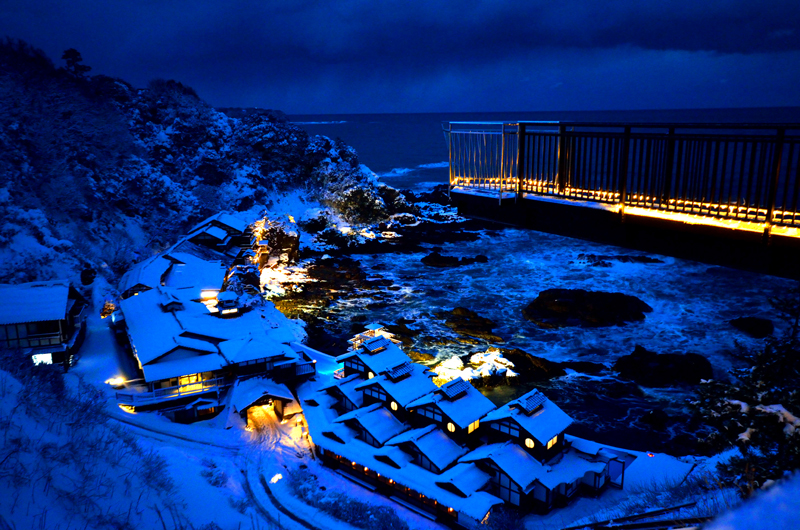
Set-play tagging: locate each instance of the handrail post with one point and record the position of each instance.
(666, 191)
(773, 184)
(520, 158)
(622, 185)
(449, 134)
(561, 157)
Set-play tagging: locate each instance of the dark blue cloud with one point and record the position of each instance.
(393, 55)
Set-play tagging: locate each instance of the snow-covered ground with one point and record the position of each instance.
(233, 477)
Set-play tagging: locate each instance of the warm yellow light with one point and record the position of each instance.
(115, 381)
(451, 427)
(529, 443)
(230, 311)
(370, 375)
(208, 295)
(394, 405)
(275, 478)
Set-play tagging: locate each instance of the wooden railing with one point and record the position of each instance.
(742, 172)
(174, 392)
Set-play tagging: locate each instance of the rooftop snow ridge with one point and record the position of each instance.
(399, 370)
(532, 401)
(455, 388)
(376, 344)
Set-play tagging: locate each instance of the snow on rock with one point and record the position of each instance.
(486, 364)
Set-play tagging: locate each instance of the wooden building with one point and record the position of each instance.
(43, 319)
(447, 451)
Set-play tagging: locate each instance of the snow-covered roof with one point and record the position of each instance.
(195, 274)
(347, 386)
(233, 224)
(254, 346)
(570, 467)
(388, 356)
(149, 273)
(319, 418)
(393, 456)
(525, 470)
(247, 392)
(374, 326)
(432, 443)
(416, 383)
(376, 420)
(464, 478)
(227, 296)
(34, 302)
(188, 365)
(539, 416)
(520, 466)
(468, 406)
(151, 330)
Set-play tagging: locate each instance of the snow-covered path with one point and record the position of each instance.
(101, 356)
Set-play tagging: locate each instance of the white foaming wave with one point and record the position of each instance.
(400, 171)
(434, 165)
(397, 172)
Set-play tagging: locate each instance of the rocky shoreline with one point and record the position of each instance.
(634, 399)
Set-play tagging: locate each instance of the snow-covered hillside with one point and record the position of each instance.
(96, 174)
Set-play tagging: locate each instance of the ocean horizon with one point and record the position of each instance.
(409, 150)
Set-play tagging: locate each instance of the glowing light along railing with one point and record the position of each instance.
(734, 173)
(171, 392)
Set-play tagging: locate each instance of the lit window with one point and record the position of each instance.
(394, 405)
(552, 442)
(451, 427)
(42, 358)
(370, 375)
(529, 443)
(472, 426)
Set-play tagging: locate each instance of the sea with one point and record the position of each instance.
(692, 302)
(408, 151)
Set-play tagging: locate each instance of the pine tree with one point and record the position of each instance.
(756, 411)
(73, 59)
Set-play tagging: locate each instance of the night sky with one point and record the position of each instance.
(346, 56)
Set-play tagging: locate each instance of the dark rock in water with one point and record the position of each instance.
(756, 327)
(435, 259)
(439, 195)
(420, 357)
(405, 218)
(530, 367)
(656, 418)
(403, 333)
(596, 260)
(584, 367)
(667, 369)
(468, 323)
(573, 307)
